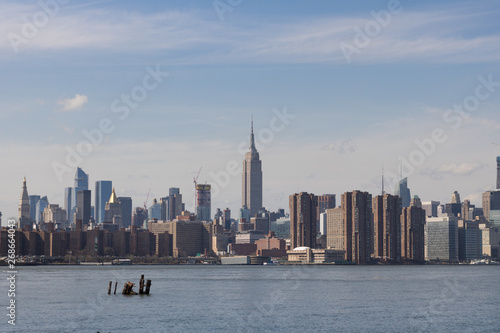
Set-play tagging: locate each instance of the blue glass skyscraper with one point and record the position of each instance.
(103, 189)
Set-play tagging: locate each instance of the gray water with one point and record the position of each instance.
(204, 298)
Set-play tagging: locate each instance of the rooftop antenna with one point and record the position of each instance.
(383, 191)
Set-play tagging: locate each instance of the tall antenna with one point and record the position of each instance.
(383, 191)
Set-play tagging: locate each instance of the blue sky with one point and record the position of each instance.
(350, 118)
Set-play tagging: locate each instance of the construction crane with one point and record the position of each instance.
(195, 181)
(146, 202)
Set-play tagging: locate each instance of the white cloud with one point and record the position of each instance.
(74, 103)
(462, 169)
(432, 36)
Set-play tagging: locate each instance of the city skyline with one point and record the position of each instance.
(349, 118)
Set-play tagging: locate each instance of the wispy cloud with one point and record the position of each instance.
(75, 103)
(192, 37)
(462, 169)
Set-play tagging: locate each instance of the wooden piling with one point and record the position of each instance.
(109, 287)
(116, 284)
(148, 286)
(141, 285)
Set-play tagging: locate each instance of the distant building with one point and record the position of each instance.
(490, 240)
(139, 215)
(226, 217)
(442, 238)
(304, 254)
(69, 199)
(24, 207)
(491, 201)
(204, 202)
(403, 192)
(498, 172)
(469, 240)
(40, 207)
(113, 210)
(431, 208)
(126, 213)
(413, 233)
(33, 201)
(281, 227)
(103, 189)
(323, 224)
(54, 214)
(154, 211)
(325, 201)
(387, 226)
(455, 198)
(83, 206)
(252, 178)
(335, 237)
(260, 223)
(358, 226)
(175, 204)
(303, 220)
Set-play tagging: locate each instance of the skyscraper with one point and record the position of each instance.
(71, 194)
(126, 203)
(357, 219)
(33, 201)
(175, 205)
(103, 189)
(403, 192)
(303, 219)
(386, 226)
(252, 178)
(83, 206)
(325, 201)
(442, 238)
(204, 204)
(412, 233)
(498, 172)
(40, 207)
(24, 206)
(455, 198)
(491, 201)
(113, 210)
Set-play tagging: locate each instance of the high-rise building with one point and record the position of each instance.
(252, 178)
(24, 206)
(413, 233)
(491, 201)
(469, 240)
(498, 172)
(335, 228)
(455, 198)
(442, 238)
(226, 217)
(431, 208)
(126, 203)
(33, 201)
(69, 197)
(81, 180)
(203, 202)
(103, 189)
(303, 220)
(358, 223)
(139, 215)
(113, 210)
(403, 192)
(83, 206)
(387, 226)
(175, 205)
(325, 201)
(154, 211)
(40, 207)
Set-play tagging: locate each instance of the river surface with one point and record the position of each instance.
(206, 298)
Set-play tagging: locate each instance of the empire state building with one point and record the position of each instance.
(252, 179)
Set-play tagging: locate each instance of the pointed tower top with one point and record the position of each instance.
(252, 138)
(113, 198)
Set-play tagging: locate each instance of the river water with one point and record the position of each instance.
(206, 298)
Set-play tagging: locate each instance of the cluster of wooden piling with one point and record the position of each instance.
(128, 287)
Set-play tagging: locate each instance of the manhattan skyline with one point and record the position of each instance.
(348, 119)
